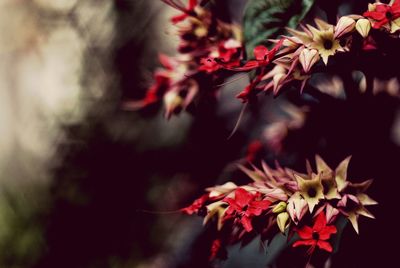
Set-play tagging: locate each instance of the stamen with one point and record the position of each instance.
(312, 192)
(315, 235)
(328, 44)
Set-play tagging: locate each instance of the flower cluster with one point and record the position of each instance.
(203, 37)
(294, 55)
(304, 204)
(208, 46)
(384, 16)
(305, 207)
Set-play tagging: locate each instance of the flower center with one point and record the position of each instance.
(312, 192)
(315, 235)
(328, 44)
(245, 207)
(389, 15)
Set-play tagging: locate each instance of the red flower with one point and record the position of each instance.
(245, 206)
(254, 151)
(209, 65)
(187, 11)
(162, 82)
(383, 14)
(156, 91)
(217, 250)
(228, 52)
(229, 49)
(250, 89)
(196, 205)
(262, 56)
(316, 235)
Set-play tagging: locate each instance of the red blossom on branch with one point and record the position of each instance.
(383, 14)
(228, 51)
(245, 206)
(317, 235)
(196, 205)
(254, 151)
(263, 56)
(217, 250)
(250, 89)
(187, 11)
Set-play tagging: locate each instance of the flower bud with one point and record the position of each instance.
(308, 57)
(344, 26)
(371, 7)
(200, 31)
(278, 79)
(363, 26)
(281, 220)
(173, 102)
(280, 207)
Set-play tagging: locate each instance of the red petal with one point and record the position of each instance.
(382, 9)
(324, 245)
(246, 222)
(253, 150)
(275, 49)
(196, 205)
(216, 248)
(396, 5)
(192, 4)
(253, 211)
(178, 18)
(263, 204)
(230, 210)
(260, 52)
(256, 207)
(305, 232)
(166, 61)
(379, 24)
(243, 197)
(304, 243)
(248, 66)
(326, 233)
(320, 222)
(232, 204)
(244, 95)
(374, 15)
(209, 65)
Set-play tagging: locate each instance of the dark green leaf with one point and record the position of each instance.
(340, 225)
(264, 19)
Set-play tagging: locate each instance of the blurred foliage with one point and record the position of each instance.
(267, 19)
(21, 219)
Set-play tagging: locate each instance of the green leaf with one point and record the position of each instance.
(340, 225)
(265, 19)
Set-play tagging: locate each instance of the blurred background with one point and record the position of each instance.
(81, 179)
